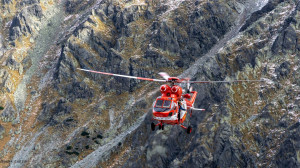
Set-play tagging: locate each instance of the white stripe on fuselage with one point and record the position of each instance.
(173, 117)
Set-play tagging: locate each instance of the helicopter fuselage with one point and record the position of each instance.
(166, 108)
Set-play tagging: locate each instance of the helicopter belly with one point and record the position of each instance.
(174, 117)
(171, 119)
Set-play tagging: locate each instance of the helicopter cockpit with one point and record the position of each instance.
(164, 105)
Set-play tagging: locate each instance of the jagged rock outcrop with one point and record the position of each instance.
(22, 23)
(8, 114)
(2, 130)
(75, 6)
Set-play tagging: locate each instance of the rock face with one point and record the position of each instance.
(57, 116)
(2, 130)
(21, 23)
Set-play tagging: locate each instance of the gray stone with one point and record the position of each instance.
(271, 5)
(8, 112)
(287, 157)
(76, 6)
(2, 130)
(287, 40)
(283, 70)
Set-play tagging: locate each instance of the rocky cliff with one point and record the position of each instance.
(53, 115)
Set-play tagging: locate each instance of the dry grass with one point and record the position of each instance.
(84, 45)
(101, 27)
(45, 3)
(22, 45)
(3, 145)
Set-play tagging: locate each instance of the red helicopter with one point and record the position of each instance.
(173, 104)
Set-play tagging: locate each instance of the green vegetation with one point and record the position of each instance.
(84, 133)
(1, 108)
(69, 147)
(74, 152)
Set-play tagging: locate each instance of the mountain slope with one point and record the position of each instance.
(57, 116)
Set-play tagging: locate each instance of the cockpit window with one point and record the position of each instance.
(163, 105)
(167, 103)
(159, 103)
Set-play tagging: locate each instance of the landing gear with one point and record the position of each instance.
(189, 129)
(152, 126)
(161, 126)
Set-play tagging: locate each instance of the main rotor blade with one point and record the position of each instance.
(164, 75)
(124, 76)
(227, 81)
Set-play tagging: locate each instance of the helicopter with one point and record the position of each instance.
(175, 103)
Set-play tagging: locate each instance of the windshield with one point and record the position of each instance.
(162, 105)
(159, 103)
(167, 103)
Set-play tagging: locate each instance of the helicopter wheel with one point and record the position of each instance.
(159, 127)
(189, 129)
(152, 126)
(162, 127)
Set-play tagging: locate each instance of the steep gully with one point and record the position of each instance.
(251, 6)
(247, 11)
(48, 37)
